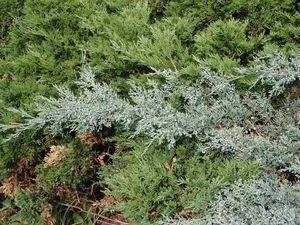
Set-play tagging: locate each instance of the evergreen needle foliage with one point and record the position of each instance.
(222, 102)
(164, 183)
(31, 206)
(278, 73)
(212, 112)
(254, 202)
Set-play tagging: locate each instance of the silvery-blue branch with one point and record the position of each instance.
(278, 71)
(257, 202)
(210, 108)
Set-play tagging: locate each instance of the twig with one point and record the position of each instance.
(172, 62)
(254, 128)
(77, 196)
(93, 214)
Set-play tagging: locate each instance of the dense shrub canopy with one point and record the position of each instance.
(158, 110)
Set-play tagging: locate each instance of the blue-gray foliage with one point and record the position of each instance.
(278, 72)
(258, 202)
(213, 113)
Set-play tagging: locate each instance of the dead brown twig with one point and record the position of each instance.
(103, 219)
(172, 62)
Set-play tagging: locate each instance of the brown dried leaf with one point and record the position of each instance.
(113, 219)
(179, 198)
(171, 167)
(95, 138)
(184, 213)
(66, 193)
(294, 91)
(167, 166)
(8, 186)
(6, 213)
(152, 216)
(90, 138)
(174, 160)
(23, 163)
(124, 198)
(23, 178)
(104, 202)
(47, 215)
(101, 159)
(56, 154)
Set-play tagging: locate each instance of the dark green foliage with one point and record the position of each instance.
(30, 206)
(163, 183)
(287, 32)
(9, 10)
(31, 145)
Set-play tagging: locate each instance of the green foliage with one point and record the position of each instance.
(227, 42)
(287, 32)
(125, 25)
(31, 145)
(163, 50)
(43, 44)
(9, 10)
(163, 183)
(30, 207)
(262, 15)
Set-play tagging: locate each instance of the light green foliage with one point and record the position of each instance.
(123, 25)
(43, 45)
(164, 183)
(163, 50)
(262, 15)
(226, 41)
